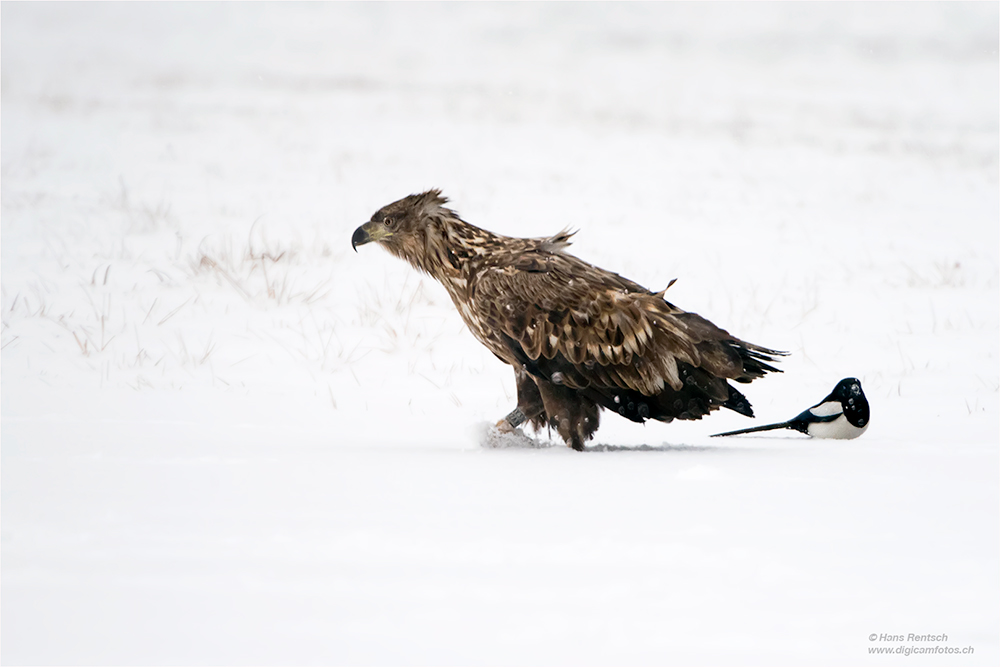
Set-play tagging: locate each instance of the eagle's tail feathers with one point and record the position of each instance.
(737, 402)
(757, 361)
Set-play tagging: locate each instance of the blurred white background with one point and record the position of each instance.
(229, 439)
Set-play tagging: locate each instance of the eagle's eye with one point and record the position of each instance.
(387, 222)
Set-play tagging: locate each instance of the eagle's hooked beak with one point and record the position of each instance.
(369, 232)
(360, 237)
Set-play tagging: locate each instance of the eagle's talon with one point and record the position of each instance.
(504, 426)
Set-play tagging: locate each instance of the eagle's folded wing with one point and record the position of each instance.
(581, 326)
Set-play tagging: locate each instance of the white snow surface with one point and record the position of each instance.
(229, 439)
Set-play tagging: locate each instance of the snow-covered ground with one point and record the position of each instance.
(229, 439)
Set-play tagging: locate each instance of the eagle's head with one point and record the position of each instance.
(408, 228)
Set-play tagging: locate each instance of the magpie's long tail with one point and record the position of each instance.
(768, 427)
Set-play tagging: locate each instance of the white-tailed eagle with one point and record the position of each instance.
(579, 338)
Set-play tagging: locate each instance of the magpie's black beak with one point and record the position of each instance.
(360, 237)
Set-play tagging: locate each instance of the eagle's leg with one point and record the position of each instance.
(529, 404)
(574, 417)
(529, 399)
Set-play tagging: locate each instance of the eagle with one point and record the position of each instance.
(579, 338)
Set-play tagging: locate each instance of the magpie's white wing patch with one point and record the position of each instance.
(827, 409)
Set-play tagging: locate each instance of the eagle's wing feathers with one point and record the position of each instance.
(585, 327)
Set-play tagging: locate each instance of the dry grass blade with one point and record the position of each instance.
(174, 311)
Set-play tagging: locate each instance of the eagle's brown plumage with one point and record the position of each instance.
(579, 338)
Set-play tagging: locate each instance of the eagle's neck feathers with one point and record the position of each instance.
(449, 249)
(455, 253)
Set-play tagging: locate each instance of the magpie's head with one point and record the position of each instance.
(849, 390)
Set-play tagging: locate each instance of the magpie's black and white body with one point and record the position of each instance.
(842, 415)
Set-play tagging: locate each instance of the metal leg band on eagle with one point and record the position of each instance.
(515, 418)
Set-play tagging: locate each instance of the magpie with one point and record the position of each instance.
(842, 415)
